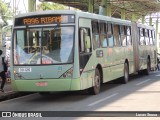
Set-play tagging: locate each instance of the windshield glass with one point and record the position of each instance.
(43, 45)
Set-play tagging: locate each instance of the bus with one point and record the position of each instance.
(68, 50)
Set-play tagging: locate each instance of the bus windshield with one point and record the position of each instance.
(46, 45)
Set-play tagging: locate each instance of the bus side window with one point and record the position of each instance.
(153, 36)
(103, 35)
(110, 35)
(81, 41)
(141, 38)
(95, 34)
(84, 47)
(123, 35)
(150, 38)
(129, 38)
(146, 37)
(85, 40)
(116, 33)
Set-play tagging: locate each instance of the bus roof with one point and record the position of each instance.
(78, 13)
(82, 14)
(46, 12)
(145, 26)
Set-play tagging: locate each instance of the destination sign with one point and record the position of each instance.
(47, 19)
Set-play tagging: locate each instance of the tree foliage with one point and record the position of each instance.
(5, 12)
(51, 6)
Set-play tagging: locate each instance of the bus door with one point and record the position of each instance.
(84, 55)
(143, 50)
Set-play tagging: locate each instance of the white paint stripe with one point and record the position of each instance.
(143, 82)
(158, 75)
(101, 100)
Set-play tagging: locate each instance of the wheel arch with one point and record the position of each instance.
(99, 67)
(127, 61)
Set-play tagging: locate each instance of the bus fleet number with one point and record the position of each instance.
(25, 70)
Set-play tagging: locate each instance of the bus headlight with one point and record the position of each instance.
(67, 74)
(14, 72)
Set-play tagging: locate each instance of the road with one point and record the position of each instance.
(141, 93)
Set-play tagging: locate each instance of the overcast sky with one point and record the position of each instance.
(21, 5)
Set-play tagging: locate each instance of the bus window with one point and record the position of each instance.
(81, 41)
(45, 45)
(129, 39)
(150, 38)
(123, 35)
(116, 35)
(110, 35)
(142, 39)
(95, 34)
(153, 35)
(84, 46)
(146, 37)
(103, 34)
(85, 40)
(19, 48)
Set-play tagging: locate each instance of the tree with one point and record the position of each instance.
(5, 12)
(51, 6)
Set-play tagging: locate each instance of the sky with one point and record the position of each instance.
(21, 5)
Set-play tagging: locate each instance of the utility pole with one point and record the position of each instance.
(1, 24)
(31, 5)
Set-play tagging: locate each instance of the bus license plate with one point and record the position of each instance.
(25, 70)
(40, 84)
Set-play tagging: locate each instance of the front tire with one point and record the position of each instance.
(97, 83)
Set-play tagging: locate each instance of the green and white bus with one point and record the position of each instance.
(73, 50)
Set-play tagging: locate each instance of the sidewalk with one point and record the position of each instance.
(8, 92)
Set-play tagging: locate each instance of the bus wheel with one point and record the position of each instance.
(97, 83)
(126, 74)
(147, 71)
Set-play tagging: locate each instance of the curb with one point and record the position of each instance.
(11, 95)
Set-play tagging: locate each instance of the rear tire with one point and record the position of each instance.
(126, 74)
(97, 83)
(147, 71)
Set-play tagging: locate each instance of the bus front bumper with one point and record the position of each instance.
(47, 85)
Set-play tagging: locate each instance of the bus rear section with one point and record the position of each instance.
(105, 51)
(43, 53)
(144, 48)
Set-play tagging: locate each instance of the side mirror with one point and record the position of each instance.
(88, 42)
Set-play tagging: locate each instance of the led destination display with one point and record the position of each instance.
(47, 19)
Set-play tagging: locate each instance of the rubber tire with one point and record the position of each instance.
(97, 83)
(126, 74)
(147, 71)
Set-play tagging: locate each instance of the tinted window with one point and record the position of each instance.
(95, 34)
(116, 33)
(110, 35)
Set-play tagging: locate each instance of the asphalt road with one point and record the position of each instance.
(141, 93)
